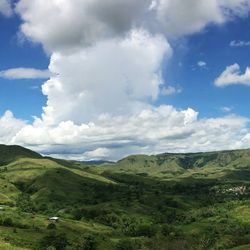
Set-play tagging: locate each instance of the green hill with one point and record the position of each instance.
(190, 160)
(169, 166)
(12, 153)
(166, 201)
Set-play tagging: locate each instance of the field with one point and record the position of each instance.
(167, 201)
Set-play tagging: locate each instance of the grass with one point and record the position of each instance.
(189, 201)
(11, 153)
(26, 169)
(241, 212)
(8, 246)
(244, 247)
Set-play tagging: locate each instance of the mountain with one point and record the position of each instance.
(189, 160)
(165, 201)
(169, 166)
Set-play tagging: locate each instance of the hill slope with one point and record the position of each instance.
(166, 201)
(168, 166)
(14, 152)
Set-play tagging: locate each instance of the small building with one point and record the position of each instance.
(54, 219)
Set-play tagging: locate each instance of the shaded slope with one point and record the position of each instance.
(14, 152)
(63, 187)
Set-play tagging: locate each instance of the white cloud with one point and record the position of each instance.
(9, 126)
(153, 5)
(86, 21)
(245, 141)
(239, 43)
(115, 76)
(170, 90)
(5, 8)
(106, 59)
(178, 18)
(24, 73)
(227, 109)
(186, 17)
(231, 75)
(97, 154)
(92, 155)
(164, 129)
(90, 21)
(202, 64)
(232, 8)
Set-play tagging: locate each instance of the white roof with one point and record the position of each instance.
(54, 218)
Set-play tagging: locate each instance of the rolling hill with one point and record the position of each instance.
(12, 153)
(165, 201)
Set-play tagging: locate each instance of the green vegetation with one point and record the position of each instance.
(167, 201)
(11, 153)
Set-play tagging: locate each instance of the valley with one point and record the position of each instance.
(166, 201)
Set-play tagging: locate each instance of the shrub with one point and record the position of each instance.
(8, 222)
(24, 203)
(166, 229)
(145, 230)
(110, 219)
(128, 245)
(51, 226)
(87, 242)
(58, 241)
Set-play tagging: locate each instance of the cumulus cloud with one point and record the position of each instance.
(9, 126)
(232, 75)
(186, 17)
(152, 130)
(90, 21)
(178, 18)
(24, 73)
(106, 60)
(86, 21)
(165, 129)
(115, 76)
(5, 8)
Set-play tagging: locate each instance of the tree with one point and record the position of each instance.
(128, 245)
(58, 241)
(87, 242)
(8, 222)
(51, 226)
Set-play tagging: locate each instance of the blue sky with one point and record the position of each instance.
(83, 82)
(212, 47)
(20, 96)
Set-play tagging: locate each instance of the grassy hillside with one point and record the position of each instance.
(12, 153)
(166, 201)
(168, 166)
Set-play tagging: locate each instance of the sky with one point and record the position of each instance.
(102, 79)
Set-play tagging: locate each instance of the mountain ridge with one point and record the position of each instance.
(16, 151)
